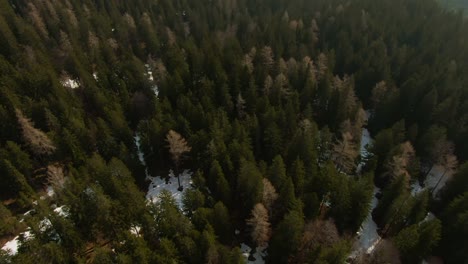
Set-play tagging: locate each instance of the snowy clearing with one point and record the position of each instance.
(158, 184)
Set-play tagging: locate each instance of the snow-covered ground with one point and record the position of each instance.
(368, 236)
(70, 83)
(12, 246)
(158, 184)
(141, 157)
(259, 255)
(436, 174)
(149, 74)
(365, 141)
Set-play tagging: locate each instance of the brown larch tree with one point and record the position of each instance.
(344, 153)
(178, 146)
(261, 229)
(37, 140)
(269, 194)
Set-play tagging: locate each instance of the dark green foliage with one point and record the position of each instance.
(250, 186)
(416, 241)
(221, 222)
(454, 232)
(193, 199)
(8, 223)
(260, 89)
(277, 173)
(286, 238)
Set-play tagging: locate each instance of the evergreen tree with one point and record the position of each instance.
(286, 238)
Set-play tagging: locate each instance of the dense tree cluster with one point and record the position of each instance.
(265, 100)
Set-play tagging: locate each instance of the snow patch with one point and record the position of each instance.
(50, 191)
(70, 83)
(256, 258)
(149, 73)
(437, 173)
(366, 140)
(62, 211)
(368, 236)
(158, 184)
(11, 247)
(416, 188)
(140, 154)
(135, 230)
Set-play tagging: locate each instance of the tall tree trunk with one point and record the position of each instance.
(181, 188)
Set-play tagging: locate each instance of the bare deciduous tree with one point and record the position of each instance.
(261, 229)
(55, 176)
(378, 93)
(322, 65)
(267, 85)
(37, 140)
(281, 84)
(178, 146)
(344, 153)
(316, 233)
(93, 40)
(113, 43)
(71, 15)
(129, 20)
(37, 20)
(267, 57)
(315, 31)
(171, 36)
(398, 165)
(269, 194)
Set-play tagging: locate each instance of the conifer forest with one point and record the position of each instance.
(233, 131)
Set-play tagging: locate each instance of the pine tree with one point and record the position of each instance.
(249, 185)
(277, 172)
(298, 176)
(286, 238)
